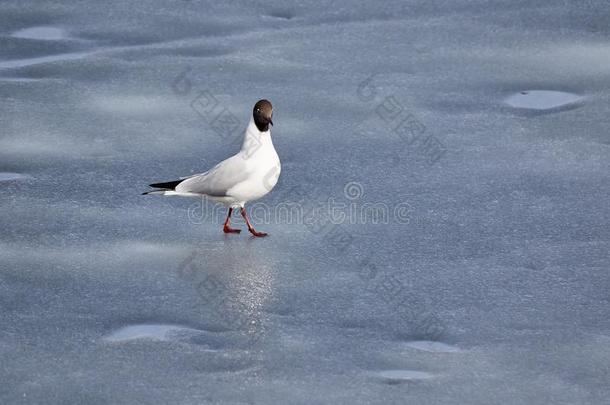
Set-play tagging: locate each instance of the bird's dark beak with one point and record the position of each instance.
(271, 121)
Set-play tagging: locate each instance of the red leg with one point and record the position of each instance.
(250, 227)
(227, 228)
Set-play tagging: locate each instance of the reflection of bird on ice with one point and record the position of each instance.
(234, 288)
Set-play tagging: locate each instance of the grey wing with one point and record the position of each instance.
(218, 180)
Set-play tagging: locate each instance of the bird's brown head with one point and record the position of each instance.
(263, 115)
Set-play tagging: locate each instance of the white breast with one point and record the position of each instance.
(262, 164)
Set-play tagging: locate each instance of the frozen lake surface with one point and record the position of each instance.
(464, 144)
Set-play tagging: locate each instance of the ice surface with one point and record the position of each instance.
(470, 265)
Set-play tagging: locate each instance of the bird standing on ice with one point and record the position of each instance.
(246, 176)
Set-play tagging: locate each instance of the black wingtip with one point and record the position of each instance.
(170, 185)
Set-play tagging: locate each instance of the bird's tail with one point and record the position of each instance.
(162, 192)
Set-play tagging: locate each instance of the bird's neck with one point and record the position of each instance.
(255, 139)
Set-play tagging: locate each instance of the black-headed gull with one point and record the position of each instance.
(246, 176)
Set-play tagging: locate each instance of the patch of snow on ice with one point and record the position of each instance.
(403, 375)
(18, 63)
(7, 176)
(431, 346)
(41, 33)
(542, 99)
(151, 331)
